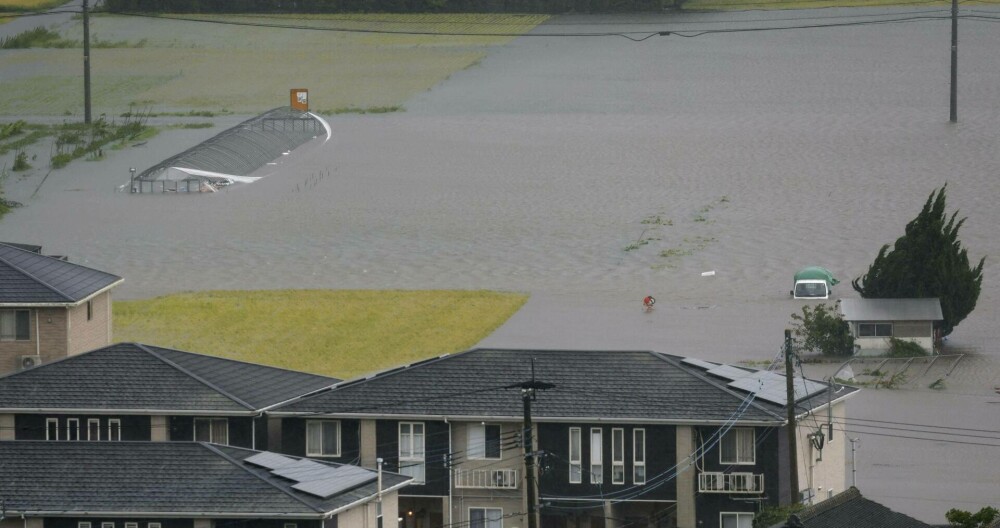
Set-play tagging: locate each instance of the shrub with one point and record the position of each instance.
(21, 161)
(904, 348)
(823, 330)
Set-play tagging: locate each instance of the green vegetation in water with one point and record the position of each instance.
(937, 384)
(76, 140)
(342, 333)
(193, 125)
(21, 161)
(365, 110)
(657, 220)
(12, 129)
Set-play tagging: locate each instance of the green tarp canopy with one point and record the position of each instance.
(816, 273)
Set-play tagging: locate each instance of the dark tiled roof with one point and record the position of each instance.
(849, 509)
(29, 278)
(154, 477)
(589, 384)
(129, 376)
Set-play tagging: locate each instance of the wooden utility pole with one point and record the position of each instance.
(793, 467)
(86, 63)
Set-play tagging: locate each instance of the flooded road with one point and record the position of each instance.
(592, 171)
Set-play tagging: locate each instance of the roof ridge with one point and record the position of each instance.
(239, 464)
(24, 272)
(193, 375)
(714, 383)
(220, 358)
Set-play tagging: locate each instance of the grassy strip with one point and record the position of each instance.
(28, 5)
(742, 5)
(340, 333)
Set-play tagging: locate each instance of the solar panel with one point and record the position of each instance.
(770, 387)
(269, 460)
(302, 471)
(729, 372)
(338, 480)
(699, 363)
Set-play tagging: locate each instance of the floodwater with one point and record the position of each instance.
(748, 154)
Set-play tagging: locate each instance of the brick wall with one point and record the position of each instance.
(94, 333)
(48, 338)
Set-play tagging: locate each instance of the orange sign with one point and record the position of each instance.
(300, 99)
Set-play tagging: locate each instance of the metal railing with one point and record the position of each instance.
(486, 478)
(718, 482)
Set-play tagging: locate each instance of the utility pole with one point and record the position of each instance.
(854, 465)
(528, 389)
(954, 61)
(793, 469)
(378, 505)
(86, 63)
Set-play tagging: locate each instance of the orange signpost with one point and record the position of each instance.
(300, 99)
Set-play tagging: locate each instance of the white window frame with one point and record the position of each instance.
(83, 524)
(91, 422)
(48, 422)
(211, 422)
(311, 450)
(741, 458)
(114, 425)
(107, 525)
(13, 325)
(495, 522)
(596, 455)
(638, 455)
(73, 426)
(153, 525)
(476, 448)
(738, 515)
(131, 525)
(617, 455)
(410, 463)
(575, 464)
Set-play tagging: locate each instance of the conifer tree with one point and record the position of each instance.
(927, 261)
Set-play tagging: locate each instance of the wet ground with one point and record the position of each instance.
(592, 171)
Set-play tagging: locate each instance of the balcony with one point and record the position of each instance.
(487, 479)
(718, 482)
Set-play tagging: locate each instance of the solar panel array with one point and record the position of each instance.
(766, 385)
(312, 477)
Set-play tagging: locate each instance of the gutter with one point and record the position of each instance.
(172, 515)
(127, 412)
(541, 419)
(62, 304)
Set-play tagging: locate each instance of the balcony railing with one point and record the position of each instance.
(718, 482)
(486, 478)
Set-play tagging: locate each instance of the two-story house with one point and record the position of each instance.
(50, 308)
(620, 438)
(130, 391)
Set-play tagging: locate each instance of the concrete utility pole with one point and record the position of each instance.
(528, 389)
(86, 63)
(793, 469)
(854, 465)
(954, 61)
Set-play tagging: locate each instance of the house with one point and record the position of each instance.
(130, 391)
(184, 485)
(874, 322)
(50, 308)
(848, 509)
(637, 438)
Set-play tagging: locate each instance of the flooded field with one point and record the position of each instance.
(592, 171)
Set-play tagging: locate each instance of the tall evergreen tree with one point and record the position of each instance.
(928, 261)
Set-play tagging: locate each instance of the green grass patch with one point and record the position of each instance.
(744, 5)
(36, 38)
(342, 333)
(193, 125)
(366, 110)
(28, 5)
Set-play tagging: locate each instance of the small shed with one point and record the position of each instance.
(874, 321)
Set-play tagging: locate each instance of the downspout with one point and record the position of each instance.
(38, 336)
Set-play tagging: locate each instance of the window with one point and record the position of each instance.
(114, 430)
(322, 438)
(411, 450)
(90, 315)
(639, 456)
(73, 429)
(83, 525)
(291, 525)
(617, 456)
(213, 430)
(736, 520)
(484, 441)
(131, 525)
(596, 456)
(94, 429)
(875, 329)
(575, 464)
(152, 525)
(737, 446)
(107, 525)
(14, 325)
(485, 518)
(52, 428)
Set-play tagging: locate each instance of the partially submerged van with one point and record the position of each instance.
(813, 282)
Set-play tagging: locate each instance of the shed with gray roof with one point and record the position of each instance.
(874, 322)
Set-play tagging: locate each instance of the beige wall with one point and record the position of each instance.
(368, 443)
(685, 479)
(7, 427)
(365, 516)
(87, 335)
(461, 504)
(465, 498)
(12, 523)
(830, 473)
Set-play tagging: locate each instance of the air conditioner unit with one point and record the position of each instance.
(27, 362)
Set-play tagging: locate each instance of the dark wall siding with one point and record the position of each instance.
(240, 430)
(661, 454)
(709, 505)
(95, 522)
(264, 523)
(436, 446)
(260, 425)
(293, 439)
(32, 426)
